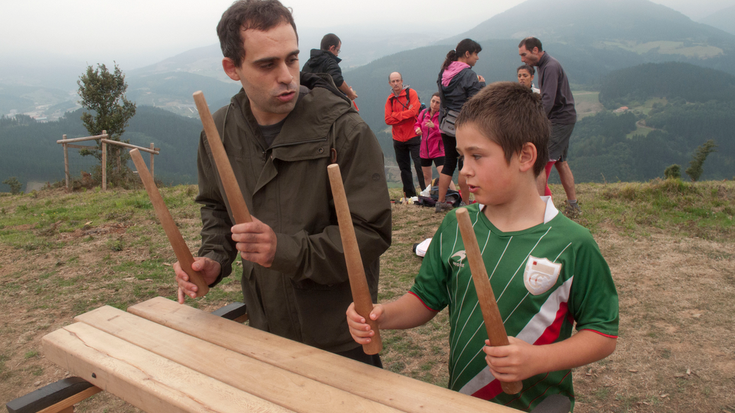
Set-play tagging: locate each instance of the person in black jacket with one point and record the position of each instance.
(325, 60)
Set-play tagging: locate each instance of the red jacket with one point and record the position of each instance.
(401, 113)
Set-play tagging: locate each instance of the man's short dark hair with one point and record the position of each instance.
(261, 15)
(527, 68)
(530, 43)
(510, 115)
(330, 40)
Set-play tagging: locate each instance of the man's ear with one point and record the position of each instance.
(332, 49)
(527, 156)
(535, 50)
(230, 69)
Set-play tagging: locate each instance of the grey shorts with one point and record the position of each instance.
(559, 141)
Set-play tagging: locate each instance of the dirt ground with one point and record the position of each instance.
(675, 352)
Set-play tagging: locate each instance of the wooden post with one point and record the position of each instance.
(355, 271)
(181, 250)
(232, 189)
(66, 161)
(104, 162)
(152, 174)
(488, 305)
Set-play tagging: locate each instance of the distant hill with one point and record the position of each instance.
(676, 107)
(673, 80)
(173, 91)
(723, 19)
(591, 38)
(30, 151)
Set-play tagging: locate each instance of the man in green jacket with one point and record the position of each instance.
(281, 132)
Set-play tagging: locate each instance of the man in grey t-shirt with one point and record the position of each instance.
(558, 102)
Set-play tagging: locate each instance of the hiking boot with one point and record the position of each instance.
(443, 207)
(572, 210)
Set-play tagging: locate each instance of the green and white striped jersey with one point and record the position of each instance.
(544, 278)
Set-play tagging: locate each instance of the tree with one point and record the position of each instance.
(695, 165)
(673, 172)
(14, 184)
(103, 93)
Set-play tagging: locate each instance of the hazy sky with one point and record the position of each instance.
(141, 32)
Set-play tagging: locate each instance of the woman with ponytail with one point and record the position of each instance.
(457, 84)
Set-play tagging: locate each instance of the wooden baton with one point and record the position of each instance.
(488, 305)
(232, 190)
(355, 270)
(169, 226)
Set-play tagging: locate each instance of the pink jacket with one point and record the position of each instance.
(431, 138)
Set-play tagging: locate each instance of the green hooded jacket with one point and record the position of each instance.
(303, 296)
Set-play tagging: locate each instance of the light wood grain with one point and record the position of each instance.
(355, 269)
(143, 379)
(181, 250)
(269, 382)
(490, 313)
(401, 392)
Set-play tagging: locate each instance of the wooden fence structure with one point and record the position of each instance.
(103, 138)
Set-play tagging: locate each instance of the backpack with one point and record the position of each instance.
(408, 99)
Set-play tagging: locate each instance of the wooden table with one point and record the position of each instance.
(164, 357)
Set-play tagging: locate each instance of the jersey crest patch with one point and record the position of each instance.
(540, 275)
(460, 257)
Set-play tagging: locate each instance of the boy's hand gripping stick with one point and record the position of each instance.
(169, 226)
(490, 313)
(229, 182)
(355, 270)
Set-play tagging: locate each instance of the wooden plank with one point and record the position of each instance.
(90, 147)
(401, 392)
(271, 383)
(68, 404)
(86, 138)
(141, 378)
(127, 145)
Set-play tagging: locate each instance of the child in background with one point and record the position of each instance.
(546, 271)
(432, 147)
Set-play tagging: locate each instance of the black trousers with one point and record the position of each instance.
(405, 151)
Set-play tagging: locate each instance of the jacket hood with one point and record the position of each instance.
(319, 100)
(318, 57)
(451, 71)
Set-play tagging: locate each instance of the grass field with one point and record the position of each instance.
(670, 246)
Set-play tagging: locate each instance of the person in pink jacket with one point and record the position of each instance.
(432, 147)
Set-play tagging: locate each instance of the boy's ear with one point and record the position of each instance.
(527, 156)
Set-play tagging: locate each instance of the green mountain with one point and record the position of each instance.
(30, 151)
(670, 81)
(723, 19)
(676, 107)
(173, 91)
(591, 38)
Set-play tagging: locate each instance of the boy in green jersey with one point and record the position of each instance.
(546, 271)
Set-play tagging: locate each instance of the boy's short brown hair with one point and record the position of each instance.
(510, 115)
